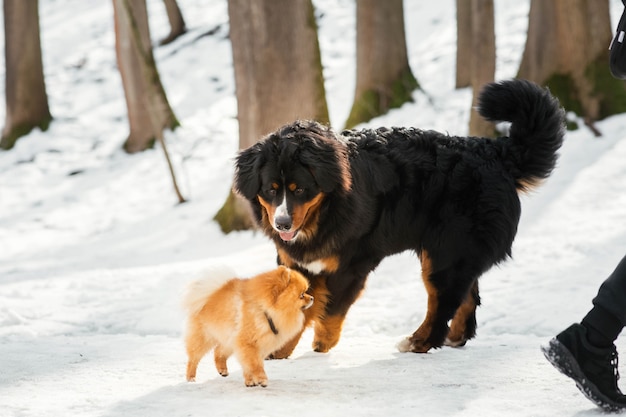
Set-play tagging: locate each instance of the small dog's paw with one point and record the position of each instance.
(191, 379)
(223, 372)
(254, 379)
(253, 382)
(321, 347)
(276, 355)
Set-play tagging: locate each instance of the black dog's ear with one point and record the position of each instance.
(247, 171)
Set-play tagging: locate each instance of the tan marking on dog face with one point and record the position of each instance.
(292, 187)
(269, 211)
(303, 212)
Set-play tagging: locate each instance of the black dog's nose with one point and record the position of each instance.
(283, 223)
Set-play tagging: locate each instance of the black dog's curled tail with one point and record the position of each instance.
(537, 127)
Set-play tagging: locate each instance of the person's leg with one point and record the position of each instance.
(607, 318)
(585, 352)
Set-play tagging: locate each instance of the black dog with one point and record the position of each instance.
(336, 205)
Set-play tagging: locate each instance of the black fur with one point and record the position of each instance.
(451, 199)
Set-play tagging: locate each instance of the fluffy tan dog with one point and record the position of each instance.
(248, 317)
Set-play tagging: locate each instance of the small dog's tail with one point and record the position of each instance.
(199, 291)
(537, 127)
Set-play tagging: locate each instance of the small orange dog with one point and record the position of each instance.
(248, 317)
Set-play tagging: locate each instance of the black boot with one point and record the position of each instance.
(593, 369)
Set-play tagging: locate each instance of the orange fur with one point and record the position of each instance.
(327, 333)
(248, 317)
(313, 314)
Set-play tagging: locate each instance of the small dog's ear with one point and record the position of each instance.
(247, 166)
(282, 281)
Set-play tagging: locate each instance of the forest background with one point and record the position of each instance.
(279, 74)
(94, 247)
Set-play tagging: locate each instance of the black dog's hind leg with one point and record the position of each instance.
(463, 325)
(447, 289)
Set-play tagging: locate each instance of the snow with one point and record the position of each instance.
(95, 253)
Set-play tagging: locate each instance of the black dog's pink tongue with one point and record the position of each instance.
(287, 236)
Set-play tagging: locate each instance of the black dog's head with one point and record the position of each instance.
(288, 174)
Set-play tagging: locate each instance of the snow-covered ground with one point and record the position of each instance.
(95, 252)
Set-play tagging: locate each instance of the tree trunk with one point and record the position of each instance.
(278, 75)
(483, 61)
(383, 77)
(464, 50)
(25, 88)
(149, 112)
(278, 69)
(567, 50)
(177, 23)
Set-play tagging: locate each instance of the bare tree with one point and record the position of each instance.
(177, 22)
(483, 60)
(278, 76)
(149, 111)
(383, 77)
(25, 88)
(567, 50)
(464, 51)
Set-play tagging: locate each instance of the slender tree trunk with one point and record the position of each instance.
(157, 108)
(567, 50)
(464, 45)
(383, 77)
(483, 61)
(278, 77)
(25, 89)
(142, 85)
(177, 22)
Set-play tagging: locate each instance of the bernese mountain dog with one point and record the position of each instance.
(336, 204)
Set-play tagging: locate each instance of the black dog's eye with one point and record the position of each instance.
(298, 191)
(271, 192)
